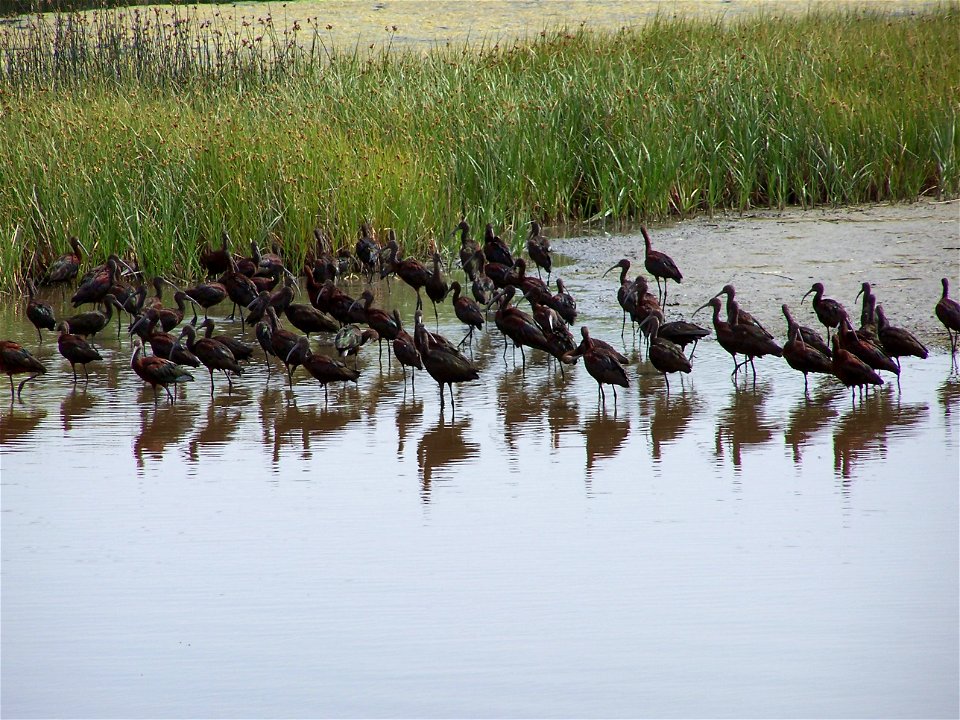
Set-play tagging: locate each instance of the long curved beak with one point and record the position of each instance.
(296, 347)
(136, 325)
(805, 296)
(706, 304)
(858, 294)
(615, 267)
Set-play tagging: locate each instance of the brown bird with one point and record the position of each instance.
(872, 355)
(350, 338)
(564, 303)
(538, 248)
(469, 248)
(406, 350)
(664, 355)
(495, 250)
(163, 344)
(282, 342)
(323, 368)
(215, 262)
(206, 295)
(65, 267)
(829, 312)
(602, 364)
(436, 285)
(157, 371)
(659, 265)
(681, 332)
(868, 319)
(948, 312)
(101, 282)
(241, 350)
(240, 289)
(368, 252)
(76, 350)
(626, 293)
(39, 313)
(851, 370)
(723, 330)
(442, 361)
(467, 311)
(93, 321)
(410, 270)
(898, 342)
(736, 315)
(17, 360)
(799, 355)
(213, 354)
(517, 325)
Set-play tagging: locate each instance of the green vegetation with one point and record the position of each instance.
(143, 132)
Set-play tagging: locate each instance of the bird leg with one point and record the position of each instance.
(40, 337)
(73, 367)
(667, 381)
(11, 388)
(211, 381)
(169, 396)
(22, 383)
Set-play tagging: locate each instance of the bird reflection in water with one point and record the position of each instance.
(563, 415)
(161, 428)
(76, 405)
(742, 424)
(520, 405)
(221, 423)
(810, 416)
(441, 449)
(17, 423)
(948, 394)
(669, 416)
(323, 423)
(864, 431)
(409, 414)
(604, 434)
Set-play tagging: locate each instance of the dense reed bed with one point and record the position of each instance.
(145, 131)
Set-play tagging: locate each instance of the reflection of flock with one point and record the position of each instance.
(263, 286)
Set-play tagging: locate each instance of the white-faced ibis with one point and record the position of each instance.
(282, 342)
(162, 343)
(753, 342)
(157, 371)
(368, 252)
(410, 270)
(626, 293)
(829, 312)
(215, 262)
(736, 315)
(469, 248)
(442, 361)
(723, 330)
(603, 364)
(868, 318)
(213, 354)
(65, 267)
(99, 284)
(265, 339)
(257, 308)
(386, 327)
(538, 248)
(17, 360)
(405, 350)
(324, 265)
(495, 250)
(206, 295)
(240, 289)
(659, 265)
(851, 370)
(898, 342)
(350, 338)
(664, 355)
(324, 369)
(269, 263)
(873, 355)
(308, 319)
(647, 302)
(91, 322)
(467, 311)
(948, 312)
(559, 338)
(564, 303)
(530, 287)
(799, 355)
(810, 337)
(76, 350)
(681, 332)
(241, 350)
(517, 325)
(436, 285)
(39, 313)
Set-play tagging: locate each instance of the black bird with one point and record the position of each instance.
(664, 355)
(603, 364)
(467, 311)
(368, 252)
(898, 342)
(564, 303)
(213, 354)
(323, 368)
(442, 361)
(39, 313)
(495, 250)
(65, 267)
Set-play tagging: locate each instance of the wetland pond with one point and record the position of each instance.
(724, 550)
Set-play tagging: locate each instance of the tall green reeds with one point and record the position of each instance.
(144, 132)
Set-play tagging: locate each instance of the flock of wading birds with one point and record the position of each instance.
(855, 355)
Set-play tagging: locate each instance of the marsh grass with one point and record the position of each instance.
(145, 131)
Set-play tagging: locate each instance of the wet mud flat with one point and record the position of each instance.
(722, 550)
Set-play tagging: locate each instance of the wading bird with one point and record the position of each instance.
(664, 355)
(76, 350)
(65, 267)
(213, 354)
(157, 371)
(324, 369)
(660, 265)
(443, 362)
(799, 355)
(898, 342)
(17, 360)
(948, 313)
(538, 248)
(602, 364)
(39, 313)
(829, 312)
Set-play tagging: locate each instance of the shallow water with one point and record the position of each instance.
(719, 551)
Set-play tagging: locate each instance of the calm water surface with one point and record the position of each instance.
(721, 551)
